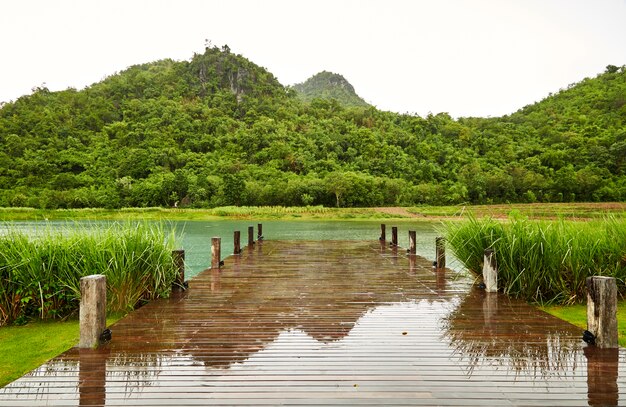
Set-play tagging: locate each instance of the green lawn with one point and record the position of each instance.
(24, 348)
(577, 315)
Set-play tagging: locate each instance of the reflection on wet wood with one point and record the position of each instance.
(92, 377)
(329, 323)
(602, 373)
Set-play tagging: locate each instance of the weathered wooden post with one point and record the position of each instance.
(178, 257)
(92, 311)
(250, 236)
(440, 253)
(216, 252)
(237, 241)
(383, 234)
(259, 232)
(394, 235)
(490, 271)
(412, 238)
(602, 310)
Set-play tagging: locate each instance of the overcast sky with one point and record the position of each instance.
(465, 57)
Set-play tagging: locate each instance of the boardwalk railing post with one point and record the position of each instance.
(440, 253)
(394, 235)
(259, 232)
(237, 242)
(178, 256)
(250, 236)
(412, 237)
(216, 252)
(92, 311)
(383, 234)
(490, 271)
(602, 310)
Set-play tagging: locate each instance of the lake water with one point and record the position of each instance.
(195, 236)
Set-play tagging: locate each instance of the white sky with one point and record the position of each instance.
(465, 57)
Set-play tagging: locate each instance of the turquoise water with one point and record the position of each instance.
(195, 236)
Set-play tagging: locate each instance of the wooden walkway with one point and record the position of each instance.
(330, 323)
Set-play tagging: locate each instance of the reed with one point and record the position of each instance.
(40, 273)
(544, 261)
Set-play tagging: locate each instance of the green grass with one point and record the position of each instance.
(40, 271)
(543, 261)
(550, 210)
(24, 348)
(577, 315)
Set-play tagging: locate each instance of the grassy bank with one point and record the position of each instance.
(543, 261)
(23, 348)
(40, 272)
(539, 211)
(577, 315)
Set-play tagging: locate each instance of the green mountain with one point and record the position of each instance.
(220, 130)
(328, 85)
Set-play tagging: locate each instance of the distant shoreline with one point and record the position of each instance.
(573, 211)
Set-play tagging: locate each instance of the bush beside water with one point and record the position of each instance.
(40, 275)
(540, 261)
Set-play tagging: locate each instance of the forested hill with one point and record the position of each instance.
(328, 85)
(219, 130)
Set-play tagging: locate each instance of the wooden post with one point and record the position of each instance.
(92, 311)
(237, 241)
(383, 234)
(440, 253)
(250, 236)
(259, 231)
(412, 237)
(216, 252)
(179, 263)
(394, 235)
(602, 310)
(490, 271)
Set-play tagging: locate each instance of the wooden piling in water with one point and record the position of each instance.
(394, 235)
(216, 252)
(237, 242)
(440, 253)
(178, 256)
(383, 233)
(92, 311)
(490, 271)
(259, 231)
(250, 236)
(412, 238)
(602, 310)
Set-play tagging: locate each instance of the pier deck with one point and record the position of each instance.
(330, 323)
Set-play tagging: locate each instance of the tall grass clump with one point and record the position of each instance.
(543, 261)
(40, 272)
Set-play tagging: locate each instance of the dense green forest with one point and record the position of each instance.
(220, 130)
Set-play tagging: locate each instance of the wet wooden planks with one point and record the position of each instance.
(330, 323)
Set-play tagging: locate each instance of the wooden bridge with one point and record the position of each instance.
(330, 323)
